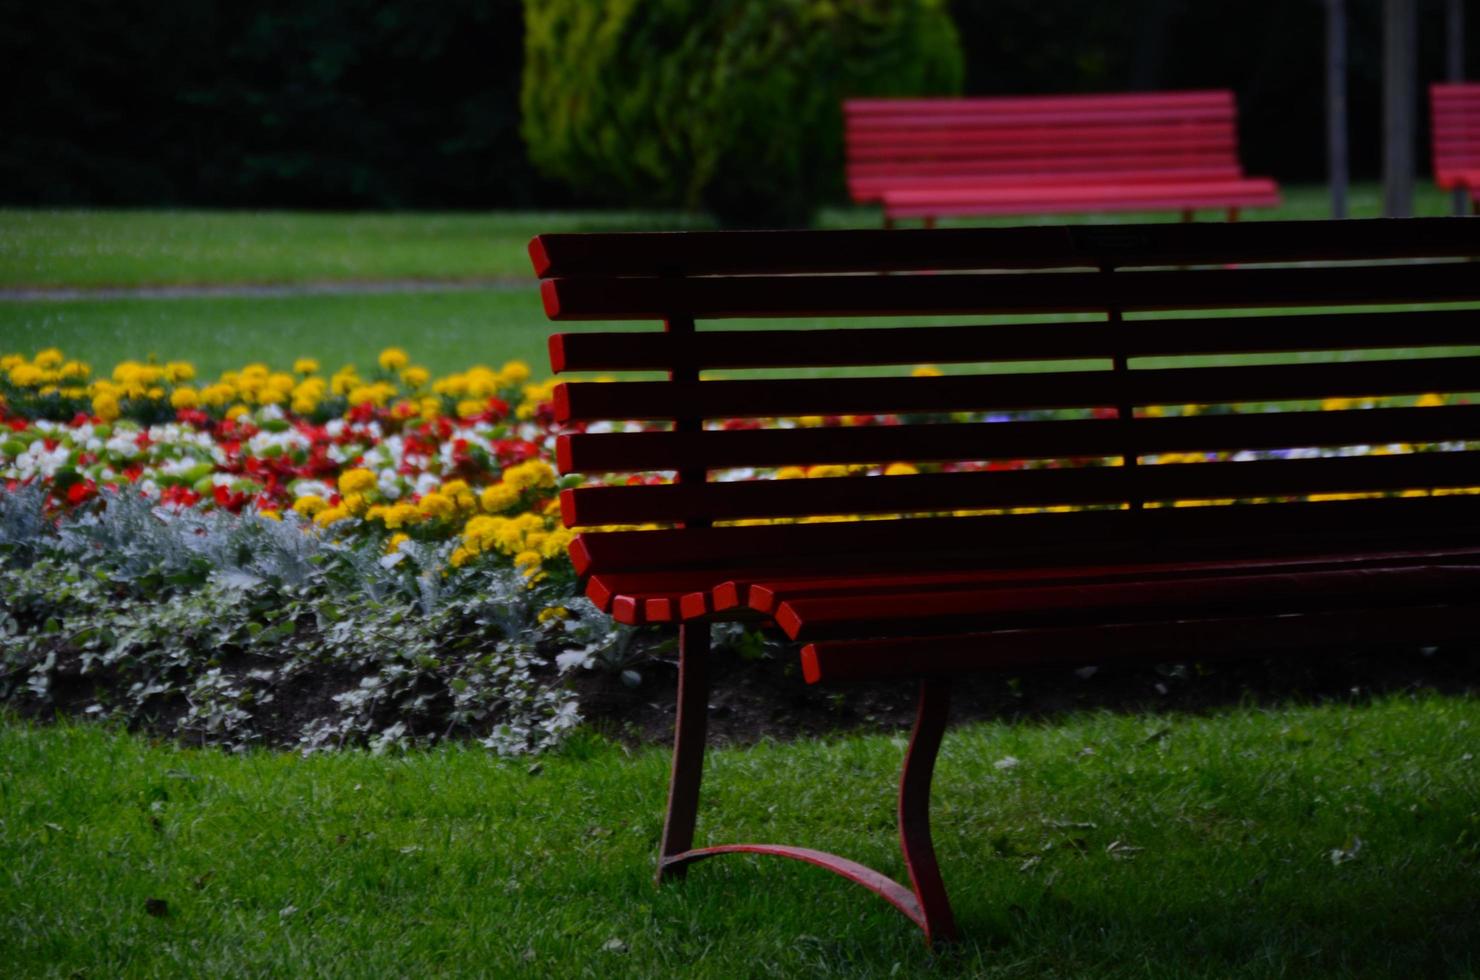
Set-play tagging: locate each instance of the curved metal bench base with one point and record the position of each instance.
(925, 903)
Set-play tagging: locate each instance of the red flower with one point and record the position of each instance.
(80, 491)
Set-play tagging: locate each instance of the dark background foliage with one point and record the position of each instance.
(394, 104)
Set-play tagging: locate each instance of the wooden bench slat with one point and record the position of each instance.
(915, 294)
(1196, 639)
(1184, 97)
(1049, 439)
(758, 252)
(951, 611)
(764, 595)
(962, 541)
(1047, 487)
(794, 398)
(722, 349)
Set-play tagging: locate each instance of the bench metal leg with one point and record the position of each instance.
(936, 917)
(689, 729)
(925, 904)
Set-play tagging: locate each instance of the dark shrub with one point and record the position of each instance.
(726, 105)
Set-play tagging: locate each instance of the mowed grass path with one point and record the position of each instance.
(1305, 842)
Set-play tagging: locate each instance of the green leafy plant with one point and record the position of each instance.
(731, 106)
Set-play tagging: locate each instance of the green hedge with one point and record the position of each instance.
(730, 106)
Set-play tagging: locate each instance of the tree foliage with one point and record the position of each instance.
(731, 105)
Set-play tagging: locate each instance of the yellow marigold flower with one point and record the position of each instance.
(176, 371)
(393, 359)
(435, 505)
(75, 371)
(305, 365)
(399, 515)
(356, 481)
(393, 545)
(810, 421)
(404, 409)
(344, 379)
(815, 472)
(185, 397)
(431, 407)
(790, 473)
(155, 393)
(528, 562)
(468, 407)
(1429, 401)
(513, 373)
(552, 613)
(236, 412)
(49, 358)
(217, 395)
(1336, 404)
(72, 392)
(25, 375)
(355, 503)
(330, 515)
(926, 371)
(510, 538)
(105, 406)
(309, 504)
(498, 497)
(556, 543)
(10, 360)
(459, 557)
(530, 473)
(303, 406)
(270, 514)
(415, 377)
(900, 469)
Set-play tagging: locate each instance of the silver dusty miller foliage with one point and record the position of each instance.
(237, 630)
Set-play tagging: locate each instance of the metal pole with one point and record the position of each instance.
(1398, 64)
(1454, 71)
(1337, 165)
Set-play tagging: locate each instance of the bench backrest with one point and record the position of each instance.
(1456, 129)
(1096, 426)
(935, 142)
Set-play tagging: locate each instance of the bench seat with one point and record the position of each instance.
(1229, 460)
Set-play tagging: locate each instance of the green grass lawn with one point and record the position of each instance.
(445, 331)
(139, 248)
(1341, 840)
(143, 248)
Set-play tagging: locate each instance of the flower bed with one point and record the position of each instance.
(307, 559)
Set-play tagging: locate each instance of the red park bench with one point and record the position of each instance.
(1162, 151)
(978, 563)
(1456, 134)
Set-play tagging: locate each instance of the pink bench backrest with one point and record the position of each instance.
(1456, 130)
(910, 141)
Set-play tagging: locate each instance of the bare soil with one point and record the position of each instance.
(755, 698)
